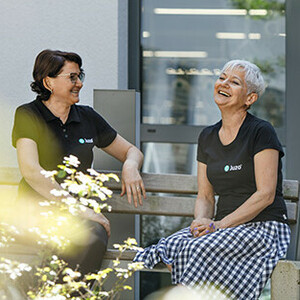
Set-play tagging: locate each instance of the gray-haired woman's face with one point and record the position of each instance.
(231, 89)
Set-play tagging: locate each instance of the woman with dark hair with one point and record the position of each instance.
(231, 248)
(54, 126)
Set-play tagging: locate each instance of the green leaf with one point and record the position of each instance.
(61, 174)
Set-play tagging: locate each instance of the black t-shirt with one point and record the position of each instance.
(83, 130)
(230, 168)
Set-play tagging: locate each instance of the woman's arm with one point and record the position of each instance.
(205, 202)
(265, 168)
(132, 159)
(30, 168)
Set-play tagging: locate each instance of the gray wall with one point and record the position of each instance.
(95, 29)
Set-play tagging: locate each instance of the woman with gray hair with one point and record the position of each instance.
(234, 249)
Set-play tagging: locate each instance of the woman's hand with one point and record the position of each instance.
(99, 218)
(132, 184)
(132, 158)
(203, 226)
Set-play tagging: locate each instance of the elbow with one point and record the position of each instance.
(30, 172)
(268, 197)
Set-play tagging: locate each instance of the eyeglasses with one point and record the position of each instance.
(74, 76)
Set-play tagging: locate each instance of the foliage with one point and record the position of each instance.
(273, 7)
(53, 278)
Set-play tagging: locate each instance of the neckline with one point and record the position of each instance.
(49, 116)
(237, 136)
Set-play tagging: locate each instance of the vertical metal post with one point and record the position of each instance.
(293, 106)
(134, 82)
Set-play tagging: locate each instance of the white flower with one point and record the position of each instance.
(130, 241)
(48, 174)
(70, 201)
(136, 266)
(44, 203)
(103, 177)
(73, 210)
(47, 214)
(102, 196)
(51, 297)
(71, 273)
(72, 160)
(76, 188)
(85, 179)
(84, 201)
(116, 262)
(59, 193)
(93, 172)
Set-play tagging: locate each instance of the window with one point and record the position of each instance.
(184, 45)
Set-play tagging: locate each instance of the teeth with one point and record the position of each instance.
(223, 93)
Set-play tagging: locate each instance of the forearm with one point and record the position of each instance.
(248, 210)
(204, 209)
(30, 168)
(40, 183)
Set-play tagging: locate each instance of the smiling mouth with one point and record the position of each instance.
(223, 93)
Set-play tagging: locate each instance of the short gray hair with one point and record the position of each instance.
(253, 76)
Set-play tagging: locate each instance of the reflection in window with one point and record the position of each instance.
(184, 45)
(169, 158)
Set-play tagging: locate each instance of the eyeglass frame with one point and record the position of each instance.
(81, 74)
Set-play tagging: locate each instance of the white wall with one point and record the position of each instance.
(95, 29)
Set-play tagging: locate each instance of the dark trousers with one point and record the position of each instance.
(87, 256)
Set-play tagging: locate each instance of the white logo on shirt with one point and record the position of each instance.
(230, 168)
(87, 141)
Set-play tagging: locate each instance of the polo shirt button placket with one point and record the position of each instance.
(64, 130)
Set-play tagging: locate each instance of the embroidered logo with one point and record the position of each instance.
(85, 141)
(230, 168)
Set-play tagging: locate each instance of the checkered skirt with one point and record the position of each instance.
(234, 262)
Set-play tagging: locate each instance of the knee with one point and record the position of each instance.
(100, 236)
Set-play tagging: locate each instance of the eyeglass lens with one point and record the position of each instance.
(74, 77)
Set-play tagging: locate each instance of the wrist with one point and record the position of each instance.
(131, 164)
(221, 224)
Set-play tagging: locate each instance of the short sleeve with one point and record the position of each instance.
(266, 138)
(25, 126)
(201, 155)
(105, 133)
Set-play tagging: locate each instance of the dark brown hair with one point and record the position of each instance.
(49, 63)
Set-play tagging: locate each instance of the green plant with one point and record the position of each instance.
(53, 278)
(273, 8)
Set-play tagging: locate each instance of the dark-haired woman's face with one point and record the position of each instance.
(64, 87)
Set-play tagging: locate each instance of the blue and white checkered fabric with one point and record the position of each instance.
(236, 262)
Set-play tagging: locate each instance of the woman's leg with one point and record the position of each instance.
(88, 253)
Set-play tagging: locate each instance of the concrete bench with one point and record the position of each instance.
(174, 195)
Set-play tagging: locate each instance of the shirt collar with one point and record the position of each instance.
(49, 116)
(73, 115)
